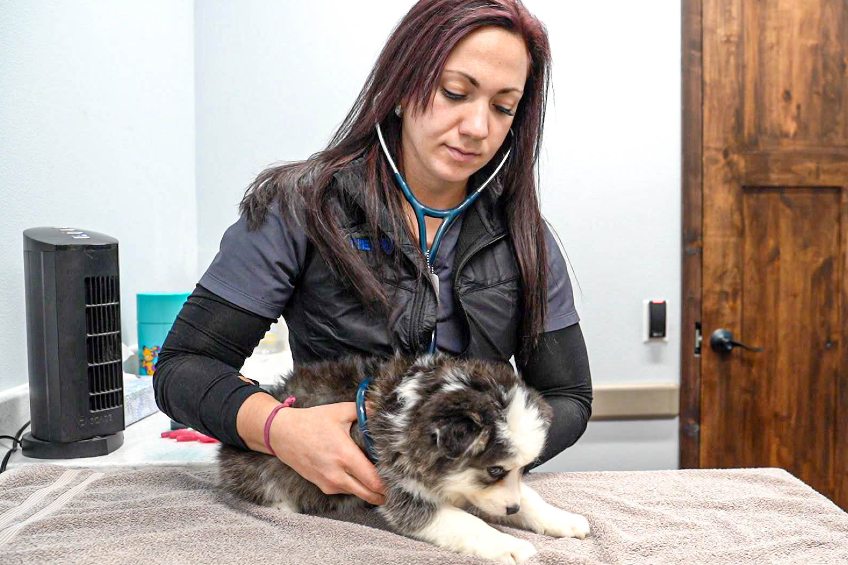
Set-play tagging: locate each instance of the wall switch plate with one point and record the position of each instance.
(655, 320)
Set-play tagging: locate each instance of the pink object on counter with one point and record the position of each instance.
(188, 435)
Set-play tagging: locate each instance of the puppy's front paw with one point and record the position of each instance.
(561, 524)
(506, 549)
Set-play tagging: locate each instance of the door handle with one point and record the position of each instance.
(722, 341)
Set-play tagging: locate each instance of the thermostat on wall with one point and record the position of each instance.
(655, 326)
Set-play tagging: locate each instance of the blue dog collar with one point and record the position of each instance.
(362, 419)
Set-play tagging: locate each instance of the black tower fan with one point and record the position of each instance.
(76, 393)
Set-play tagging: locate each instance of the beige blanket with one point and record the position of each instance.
(53, 514)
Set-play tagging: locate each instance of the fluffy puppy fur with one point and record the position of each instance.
(452, 438)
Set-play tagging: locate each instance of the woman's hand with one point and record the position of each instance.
(316, 443)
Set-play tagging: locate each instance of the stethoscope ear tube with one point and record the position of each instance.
(447, 215)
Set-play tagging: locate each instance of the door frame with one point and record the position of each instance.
(692, 231)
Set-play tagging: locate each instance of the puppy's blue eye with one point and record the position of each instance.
(496, 472)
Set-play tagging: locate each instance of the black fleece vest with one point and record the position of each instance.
(326, 319)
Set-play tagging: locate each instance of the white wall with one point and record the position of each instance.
(611, 188)
(611, 173)
(97, 132)
(274, 80)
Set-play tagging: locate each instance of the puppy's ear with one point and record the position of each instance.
(460, 435)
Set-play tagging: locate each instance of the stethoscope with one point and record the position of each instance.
(447, 215)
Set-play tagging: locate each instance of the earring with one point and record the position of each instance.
(398, 111)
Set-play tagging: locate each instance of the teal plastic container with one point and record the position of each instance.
(156, 312)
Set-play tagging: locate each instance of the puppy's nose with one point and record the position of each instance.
(512, 509)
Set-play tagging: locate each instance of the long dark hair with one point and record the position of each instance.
(409, 68)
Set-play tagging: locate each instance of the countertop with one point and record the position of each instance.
(143, 444)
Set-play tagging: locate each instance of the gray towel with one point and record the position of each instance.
(54, 514)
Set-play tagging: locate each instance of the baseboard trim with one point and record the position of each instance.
(635, 401)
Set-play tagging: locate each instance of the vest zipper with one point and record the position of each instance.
(414, 323)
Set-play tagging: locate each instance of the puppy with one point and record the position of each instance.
(451, 439)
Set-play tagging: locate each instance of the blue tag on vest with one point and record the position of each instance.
(364, 244)
(361, 243)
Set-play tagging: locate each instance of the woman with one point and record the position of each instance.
(458, 95)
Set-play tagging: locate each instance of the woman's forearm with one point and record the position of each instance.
(197, 381)
(569, 423)
(251, 418)
(202, 393)
(559, 370)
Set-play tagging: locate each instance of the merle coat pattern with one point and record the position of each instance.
(452, 439)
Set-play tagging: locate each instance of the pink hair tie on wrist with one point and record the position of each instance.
(288, 402)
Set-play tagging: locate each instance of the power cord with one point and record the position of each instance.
(16, 441)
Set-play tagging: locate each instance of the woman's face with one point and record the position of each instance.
(471, 112)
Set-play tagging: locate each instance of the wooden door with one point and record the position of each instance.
(773, 169)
